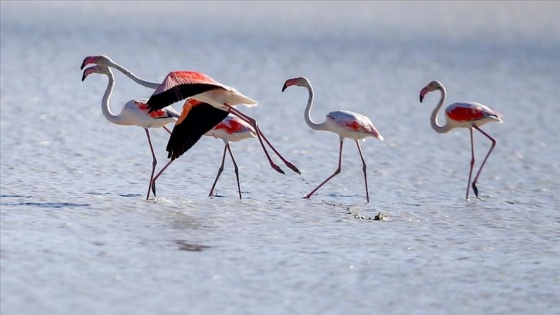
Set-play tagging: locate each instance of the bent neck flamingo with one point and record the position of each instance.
(463, 115)
(346, 124)
(133, 113)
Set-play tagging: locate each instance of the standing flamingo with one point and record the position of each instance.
(463, 115)
(105, 61)
(231, 129)
(135, 113)
(344, 123)
(179, 85)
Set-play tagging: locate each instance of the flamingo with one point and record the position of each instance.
(346, 124)
(134, 113)
(463, 115)
(231, 129)
(179, 85)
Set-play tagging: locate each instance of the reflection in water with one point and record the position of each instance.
(184, 245)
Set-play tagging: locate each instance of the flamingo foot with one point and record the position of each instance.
(277, 168)
(293, 167)
(154, 188)
(475, 189)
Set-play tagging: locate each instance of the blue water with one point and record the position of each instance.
(77, 236)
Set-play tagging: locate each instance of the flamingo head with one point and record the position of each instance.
(432, 86)
(98, 60)
(299, 81)
(95, 69)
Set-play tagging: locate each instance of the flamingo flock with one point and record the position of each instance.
(211, 109)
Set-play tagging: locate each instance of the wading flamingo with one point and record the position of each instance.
(179, 85)
(231, 129)
(344, 123)
(463, 115)
(134, 113)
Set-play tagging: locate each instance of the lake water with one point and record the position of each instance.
(77, 236)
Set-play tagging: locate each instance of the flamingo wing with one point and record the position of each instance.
(196, 119)
(179, 85)
(470, 111)
(354, 122)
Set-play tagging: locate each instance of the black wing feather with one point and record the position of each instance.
(200, 119)
(175, 94)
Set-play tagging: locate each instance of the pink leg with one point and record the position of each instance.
(153, 183)
(363, 169)
(471, 165)
(154, 162)
(333, 175)
(259, 132)
(475, 189)
(152, 178)
(220, 170)
(236, 170)
(253, 123)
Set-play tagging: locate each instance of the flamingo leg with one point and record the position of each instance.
(154, 162)
(220, 170)
(236, 170)
(475, 189)
(471, 164)
(253, 123)
(153, 183)
(363, 169)
(333, 175)
(153, 180)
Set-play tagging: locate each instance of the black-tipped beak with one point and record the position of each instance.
(284, 87)
(83, 65)
(421, 98)
(83, 76)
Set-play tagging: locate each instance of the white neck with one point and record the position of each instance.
(307, 114)
(133, 77)
(115, 119)
(437, 127)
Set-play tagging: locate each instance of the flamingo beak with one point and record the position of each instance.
(285, 86)
(423, 92)
(83, 64)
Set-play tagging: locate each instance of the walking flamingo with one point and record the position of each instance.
(463, 115)
(179, 85)
(134, 113)
(344, 123)
(231, 129)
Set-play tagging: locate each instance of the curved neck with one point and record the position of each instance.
(437, 127)
(115, 119)
(307, 114)
(133, 77)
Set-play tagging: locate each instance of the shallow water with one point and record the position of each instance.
(77, 236)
